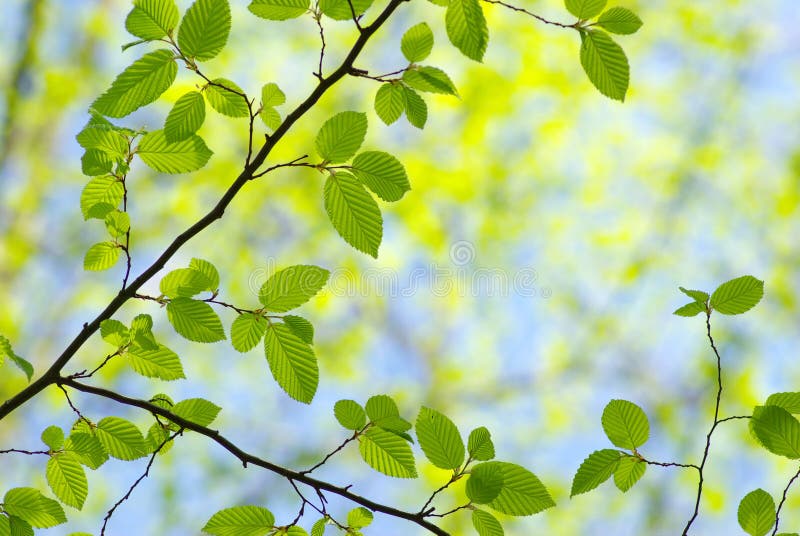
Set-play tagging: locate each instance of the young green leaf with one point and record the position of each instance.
(585, 9)
(350, 414)
(620, 20)
(292, 363)
(186, 117)
(380, 407)
(382, 173)
(625, 424)
(142, 334)
(417, 42)
(157, 434)
(628, 472)
(152, 19)
(416, 109)
(7, 351)
(523, 494)
(300, 327)
(485, 482)
(466, 28)
(738, 295)
(114, 332)
(690, 309)
(227, 98)
(354, 213)
(291, 287)
(697, 295)
(195, 320)
(358, 518)
(440, 439)
(184, 283)
(120, 438)
(340, 9)
(341, 136)
(31, 506)
(271, 95)
(186, 155)
(486, 524)
(387, 453)
(241, 521)
(430, 80)
(67, 479)
(788, 401)
(247, 331)
(87, 449)
(96, 162)
(595, 469)
(161, 363)
(103, 138)
(318, 529)
(278, 9)
(53, 437)
(101, 190)
(208, 270)
(138, 85)
(605, 63)
(777, 430)
(205, 29)
(390, 102)
(117, 223)
(197, 410)
(101, 256)
(756, 513)
(480, 445)
(271, 117)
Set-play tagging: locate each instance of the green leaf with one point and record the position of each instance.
(585, 9)
(101, 256)
(278, 9)
(380, 407)
(486, 524)
(628, 473)
(142, 334)
(620, 20)
(350, 414)
(271, 117)
(103, 138)
(382, 173)
(161, 363)
(340, 9)
(417, 42)
(5, 526)
(440, 439)
(240, 521)
(466, 28)
(697, 295)
(788, 401)
(522, 494)
(208, 270)
(738, 295)
(152, 19)
(53, 437)
(185, 118)
(387, 453)
(226, 97)
(390, 102)
(429, 79)
(7, 351)
(87, 449)
(756, 513)
(96, 162)
(479, 445)
(605, 63)
(186, 155)
(195, 320)
(416, 109)
(66, 478)
(184, 283)
(341, 136)
(690, 309)
(247, 331)
(121, 439)
(156, 436)
(292, 363)
(318, 529)
(625, 424)
(358, 518)
(271, 95)
(595, 469)
(117, 223)
(105, 190)
(485, 482)
(197, 410)
(294, 530)
(777, 430)
(300, 327)
(34, 508)
(205, 29)
(19, 527)
(354, 213)
(138, 85)
(291, 287)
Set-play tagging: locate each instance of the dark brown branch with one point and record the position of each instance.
(28, 452)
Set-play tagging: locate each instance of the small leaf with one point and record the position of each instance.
(195, 320)
(105, 190)
(152, 19)
(585, 9)
(161, 363)
(605, 63)
(777, 430)
(138, 85)
(8, 352)
(387, 453)
(185, 118)
(318, 529)
(340, 9)
(480, 445)
(292, 363)
(416, 109)
(208, 270)
(96, 162)
(157, 435)
(121, 439)
(690, 309)
(34, 508)
(278, 9)
(523, 494)
(625, 424)
(271, 117)
(87, 449)
(429, 79)
(53, 437)
(486, 524)
(628, 473)
(300, 327)
(485, 482)
(697, 295)
(738, 295)
(440, 439)
(354, 213)
(205, 29)
(417, 42)
(197, 410)
(291, 287)
(341, 136)
(466, 28)
(350, 414)
(117, 223)
(186, 155)
(184, 283)
(226, 97)
(381, 407)
(101, 256)
(271, 95)
(241, 521)
(595, 469)
(620, 20)
(247, 331)
(756, 513)
(66, 478)
(382, 173)
(390, 102)
(358, 518)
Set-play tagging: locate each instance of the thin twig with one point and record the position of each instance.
(361, 73)
(318, 20)
(783, 500)
(453, 511)
(333, 453)
(735, 417)
(574, 25)
(669, 464)
(84, 374)
(294, 163)
(28, 452)
(71, 405)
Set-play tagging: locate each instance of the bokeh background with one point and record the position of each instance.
(605, 208)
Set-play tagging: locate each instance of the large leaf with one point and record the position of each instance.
(585, 9)
(485, 482)
(417, 42)
(227, 98)
(486, 524)
(186, 117)
(341, 136)
(121, 439)
(788, 401)
(738, 295)
(466, 27)
(205, 29)
(195, 320)
(523, 494)
(756, 513)
(628, 473)
(66, 478)
(152, 19)
(382, 173)
(186, 155)
(354, 213)
(390, 102)
(292, 362)
(440, 439)
(278, 9)
(595, 469)
(620, 20)
(777, 430)
(161, 363)
(247, 331)
(292, 287)
(138, 85)
(240, 521)
(34, 508)
(605, 64)
(387, 452)
(625, 424)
